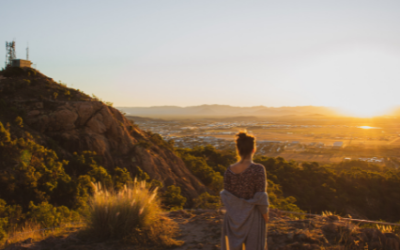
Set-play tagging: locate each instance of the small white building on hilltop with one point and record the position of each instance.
(21, 63)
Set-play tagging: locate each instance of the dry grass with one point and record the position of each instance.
(132, 214)
(34, 232)
(385, 229)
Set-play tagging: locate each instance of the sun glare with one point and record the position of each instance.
(364, 110)
(361, 81)
(368, 127)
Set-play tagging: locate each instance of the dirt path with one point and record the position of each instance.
(199, 230)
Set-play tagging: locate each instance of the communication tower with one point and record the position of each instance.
(10, 54)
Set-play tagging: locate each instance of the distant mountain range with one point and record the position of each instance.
(228, 111)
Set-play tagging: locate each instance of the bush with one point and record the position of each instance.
(48, 216)
(173, 198)
(4, 134)
(17, 71)
(19, 121)
(133, 214)
(26, 83)
(141, 175)
(207, 201)
(3, 225)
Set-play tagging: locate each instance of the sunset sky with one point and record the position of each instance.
(335, 53)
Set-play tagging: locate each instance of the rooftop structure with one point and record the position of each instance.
(21, 63)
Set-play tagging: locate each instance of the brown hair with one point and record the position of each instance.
(245, 144)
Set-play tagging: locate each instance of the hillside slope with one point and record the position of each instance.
(69, 121)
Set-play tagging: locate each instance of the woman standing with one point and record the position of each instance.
(245, 199)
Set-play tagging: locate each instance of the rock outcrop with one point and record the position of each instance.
(79, 123)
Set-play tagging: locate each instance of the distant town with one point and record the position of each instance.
(275, 139)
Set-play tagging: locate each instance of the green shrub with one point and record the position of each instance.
(132, 214)
(207, 201)
(19, 122)
(3, 226)
(49, 216)
(99, 174)
(173, 198)
(121, 177)
(55, 94)
(4, 134)
(141, 175)
(27, 83)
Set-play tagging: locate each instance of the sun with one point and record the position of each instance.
(362, 81)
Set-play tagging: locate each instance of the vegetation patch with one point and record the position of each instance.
(132, 214)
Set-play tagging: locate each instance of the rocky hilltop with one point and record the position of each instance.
(72, 121)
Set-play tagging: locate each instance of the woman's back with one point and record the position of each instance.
(246, 183)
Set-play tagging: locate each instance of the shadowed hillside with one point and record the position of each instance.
(68, 121)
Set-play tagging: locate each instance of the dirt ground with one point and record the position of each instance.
(200, 229)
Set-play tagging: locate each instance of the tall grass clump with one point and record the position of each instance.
(132, 214)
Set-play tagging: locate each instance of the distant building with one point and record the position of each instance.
(338, 144)
(21, 63)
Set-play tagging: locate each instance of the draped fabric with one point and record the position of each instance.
(243, 222)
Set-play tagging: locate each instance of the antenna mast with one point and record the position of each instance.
(27, 52)
(10, 54)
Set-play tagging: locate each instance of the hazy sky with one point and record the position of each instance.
(242, 53)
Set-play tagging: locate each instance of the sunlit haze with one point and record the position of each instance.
(342, 54)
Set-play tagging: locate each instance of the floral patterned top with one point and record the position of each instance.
(247, 183)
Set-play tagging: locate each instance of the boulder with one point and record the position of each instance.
(90, 125)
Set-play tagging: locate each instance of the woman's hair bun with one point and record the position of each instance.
(242, 135)
(245, 143)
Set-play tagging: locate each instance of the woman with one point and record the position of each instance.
(245, 199)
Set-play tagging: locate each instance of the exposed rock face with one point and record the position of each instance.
(79, 125)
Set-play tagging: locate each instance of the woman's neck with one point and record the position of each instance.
(246, 160)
